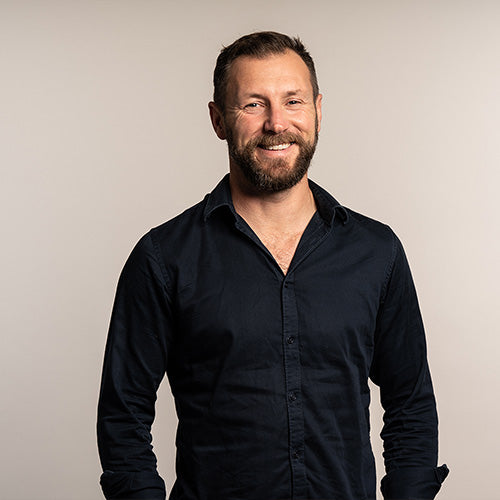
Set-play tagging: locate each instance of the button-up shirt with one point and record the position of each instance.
(269, 372)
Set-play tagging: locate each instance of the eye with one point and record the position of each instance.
(293, 102)
(253, 107)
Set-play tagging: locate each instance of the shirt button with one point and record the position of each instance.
(292, 396)
(295, 454)
(290, 340)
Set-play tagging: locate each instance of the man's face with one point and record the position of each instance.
(271, 120)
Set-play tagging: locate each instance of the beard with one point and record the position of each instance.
(275, 175)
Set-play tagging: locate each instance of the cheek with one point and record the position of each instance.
(244, 135)
(305, 121)
(248, 125)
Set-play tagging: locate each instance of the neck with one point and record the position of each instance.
(285, 211)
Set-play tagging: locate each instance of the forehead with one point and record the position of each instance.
(275, 72)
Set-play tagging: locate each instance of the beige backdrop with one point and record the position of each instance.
(105, 133)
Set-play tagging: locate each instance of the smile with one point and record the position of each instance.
(277, 147)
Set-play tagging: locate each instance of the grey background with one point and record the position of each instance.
(104, 133)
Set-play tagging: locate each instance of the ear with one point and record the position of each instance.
(217, 118)
(318, 109)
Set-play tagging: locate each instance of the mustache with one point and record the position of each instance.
(274, 140)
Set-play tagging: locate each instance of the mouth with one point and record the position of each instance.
(276, 147)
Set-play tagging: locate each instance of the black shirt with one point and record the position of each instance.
(269, 371)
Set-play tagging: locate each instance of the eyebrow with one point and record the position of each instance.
(261, 96)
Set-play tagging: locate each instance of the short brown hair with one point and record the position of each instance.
(259, 44)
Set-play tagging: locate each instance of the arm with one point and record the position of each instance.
(134, 365)
(400, 368)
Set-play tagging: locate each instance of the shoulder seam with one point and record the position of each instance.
(390, 267)
(156, 249)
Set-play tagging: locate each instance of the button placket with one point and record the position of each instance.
(293, 384)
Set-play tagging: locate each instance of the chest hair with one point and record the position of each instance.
(282, 247)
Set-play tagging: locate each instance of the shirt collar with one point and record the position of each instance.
(327, 205)
(219, 197)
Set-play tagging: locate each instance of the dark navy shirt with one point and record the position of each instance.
(269, 371)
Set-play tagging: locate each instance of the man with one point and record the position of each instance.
(268, 305)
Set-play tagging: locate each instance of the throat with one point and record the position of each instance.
(277, 219)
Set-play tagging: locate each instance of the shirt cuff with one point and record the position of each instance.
(410, 483)
(132, 485)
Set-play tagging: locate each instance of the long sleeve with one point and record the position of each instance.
(134, 365)
(400, 369)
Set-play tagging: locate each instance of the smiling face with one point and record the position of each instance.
(271, 120)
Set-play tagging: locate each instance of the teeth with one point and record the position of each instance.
(278, 147)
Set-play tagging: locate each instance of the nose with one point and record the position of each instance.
(276, 120)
